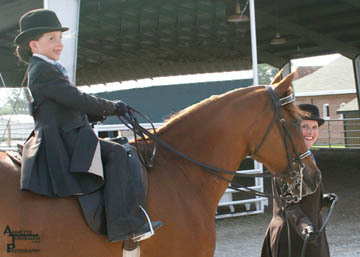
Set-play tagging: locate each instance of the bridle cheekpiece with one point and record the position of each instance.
(296, 174)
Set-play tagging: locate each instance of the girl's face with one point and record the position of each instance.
(49, 44)
(310, 130)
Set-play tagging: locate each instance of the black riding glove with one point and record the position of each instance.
(120, 108)
(328, 199)
(310, 233)
(95, 119)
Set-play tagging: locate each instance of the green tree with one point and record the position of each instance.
(266, 73)
(15, 103)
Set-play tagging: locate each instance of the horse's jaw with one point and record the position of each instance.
(309, 183)
(311, 180)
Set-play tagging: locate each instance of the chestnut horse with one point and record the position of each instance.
(219, 131)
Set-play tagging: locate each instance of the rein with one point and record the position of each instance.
(131, 122)
(306, 240)
(137, 129)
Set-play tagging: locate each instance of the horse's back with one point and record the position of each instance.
(59, 222)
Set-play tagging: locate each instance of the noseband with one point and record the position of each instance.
(295, 165)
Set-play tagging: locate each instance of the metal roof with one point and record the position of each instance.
(337, 77)
(134, 39)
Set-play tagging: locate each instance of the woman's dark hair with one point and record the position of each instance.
(23, 51)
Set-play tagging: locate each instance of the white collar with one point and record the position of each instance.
(46, 59)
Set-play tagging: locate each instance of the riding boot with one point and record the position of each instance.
(123, 193)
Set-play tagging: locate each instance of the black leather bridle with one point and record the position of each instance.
(295, 165)
(294, 173)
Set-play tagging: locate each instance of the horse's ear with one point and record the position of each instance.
(284, 84)
(277, 78)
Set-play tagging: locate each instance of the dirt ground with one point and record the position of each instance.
(243, 236)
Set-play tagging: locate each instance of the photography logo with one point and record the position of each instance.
(22, 241)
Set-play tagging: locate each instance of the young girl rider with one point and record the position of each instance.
(63, 156)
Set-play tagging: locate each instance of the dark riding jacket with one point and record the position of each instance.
(299, 215)
(58, 153)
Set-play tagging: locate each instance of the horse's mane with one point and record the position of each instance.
(183, 114)
(174, 119)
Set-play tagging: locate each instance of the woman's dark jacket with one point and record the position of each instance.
(299, 215)
(58, 153)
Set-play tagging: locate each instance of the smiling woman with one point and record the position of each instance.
(310, 129)
(310, 123)
(296, 225)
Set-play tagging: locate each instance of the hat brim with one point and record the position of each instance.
(319, 120)
(28, 34)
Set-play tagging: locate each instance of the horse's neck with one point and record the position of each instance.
(213, 136)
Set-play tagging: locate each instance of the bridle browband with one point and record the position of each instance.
(297, 175)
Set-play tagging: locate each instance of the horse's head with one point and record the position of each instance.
(279, 144)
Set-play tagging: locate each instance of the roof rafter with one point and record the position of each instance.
(322, 40)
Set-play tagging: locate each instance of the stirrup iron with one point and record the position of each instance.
(147, 234)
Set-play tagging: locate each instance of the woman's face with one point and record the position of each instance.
(49, 44)
(310, 129)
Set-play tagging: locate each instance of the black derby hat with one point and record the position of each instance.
(313, 111)
(37, 22)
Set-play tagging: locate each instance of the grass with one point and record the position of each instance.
(329, 146)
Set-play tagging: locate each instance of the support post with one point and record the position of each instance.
(257, 165)
(356, 64)
(9, 135)
(253, 42)
(68, 12)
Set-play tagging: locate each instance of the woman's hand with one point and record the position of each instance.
(328, 199)
(310, 233)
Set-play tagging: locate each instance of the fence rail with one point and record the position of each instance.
(12, 134)
(335, 133)
(339, 133)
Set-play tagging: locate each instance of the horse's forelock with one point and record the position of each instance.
(294, 110)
